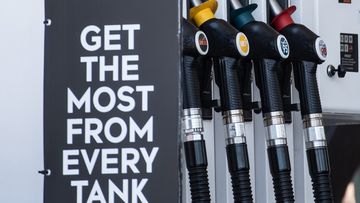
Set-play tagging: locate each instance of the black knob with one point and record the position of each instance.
(341, 70)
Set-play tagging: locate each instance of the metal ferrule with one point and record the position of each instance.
(275, 128)
(314, 131)
(275, 135)
(313, 120)
(233, 116)
(193, 137)
(274, 118)
(193, 124)
(235, 127)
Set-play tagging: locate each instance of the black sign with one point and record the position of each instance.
(349, 52)
(345, 1)
(111, 101)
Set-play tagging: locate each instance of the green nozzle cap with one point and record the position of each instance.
(243, 16)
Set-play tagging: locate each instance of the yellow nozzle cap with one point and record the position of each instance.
(204, 12)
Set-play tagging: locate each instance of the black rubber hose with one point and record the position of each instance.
(239, 168)
(280, 168)
(306, 84)
(319, 169)
(227, 79)
(191, 84)
(196, 161)
(268, 83)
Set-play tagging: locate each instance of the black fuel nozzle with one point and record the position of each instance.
(268, 50)
(306, 45)
(227, 48)
(195, 46)
(308, 50)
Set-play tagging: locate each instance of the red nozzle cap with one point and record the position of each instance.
(283, 19)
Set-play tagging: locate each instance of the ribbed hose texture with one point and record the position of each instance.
(322, 188)
(319, 168)
(240, 181)
(196, 163)
(279, 161)
(191, 84)
(268, 83)
(306, 84)
(227, 79)
(283, 187)
(199, 185)
(239, 168)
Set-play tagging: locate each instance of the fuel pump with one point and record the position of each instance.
(308, 51)
(195, 46)
(226, 47)
(268, 49)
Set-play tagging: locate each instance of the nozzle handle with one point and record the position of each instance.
(306, 84)
(227, 79)
(266, 73)
(191, 83)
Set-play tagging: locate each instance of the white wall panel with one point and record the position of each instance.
(21, 100)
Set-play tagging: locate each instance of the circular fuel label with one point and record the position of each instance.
(242, 44)
(283, 46)
(202, 43)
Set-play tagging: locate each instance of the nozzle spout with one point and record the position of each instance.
(235, 4)
(194, 3)
(275, 7)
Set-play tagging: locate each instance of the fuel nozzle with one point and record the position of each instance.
(308, 50)
(227, 46)
(264, 40)
(269, 48)
(195, 46)
(306, 45)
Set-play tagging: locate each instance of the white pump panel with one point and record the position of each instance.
(338, 95)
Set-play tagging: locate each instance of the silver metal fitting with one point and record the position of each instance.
(196, 2)
(235, 4)
(275, 128)
(193, 137)
(275, 7)
(275, 135)
(313, 120)
(235, 133)
(233, 116)
(314, 131)
(193, 121)
(315, 137)
(235, 126)
(274, 118)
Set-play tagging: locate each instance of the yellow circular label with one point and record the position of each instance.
(244, 44)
